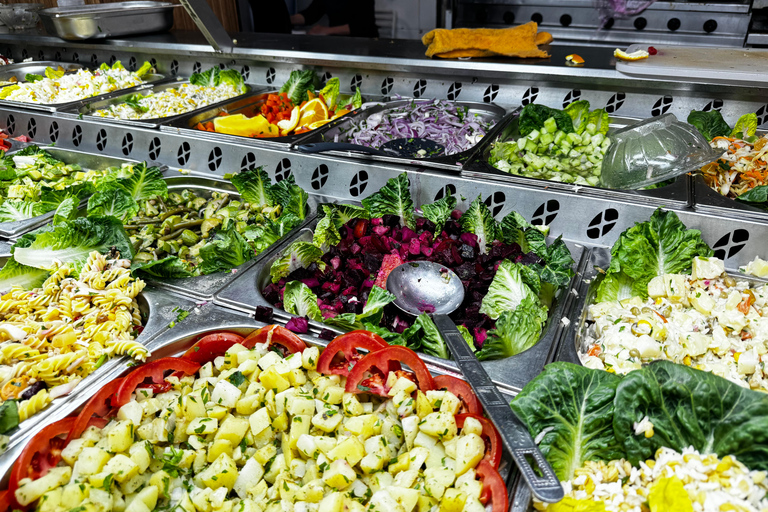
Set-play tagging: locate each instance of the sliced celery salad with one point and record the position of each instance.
(557, 145)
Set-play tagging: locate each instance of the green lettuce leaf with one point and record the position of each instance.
(507, 290)
(532, 118)
(31, 77)
(297, 255)
(72, 241)
(330, 92)
(576, 404)
(394, 198)
(579, 113)
(14, 273)
(619, 286)
(356, 101)
(374, 306)
(115, 202)
(225, 250)
(118, 66)
(9, 416)
(558, 264)
(439, 211)
(145, 69)
(746, 126)
(134, 101)
(262, 236)
(689, 407)
(432, 342)
(298, 84)
(710, 124)
(233, 78)
(659, 246)
(13, 210)
(600, 119)
(467, 337)
(291, 197)
(343, 213)
(52, 198)
(54, 73)
(170, 267)
(254, 186)
(299, 300)
(67, 210)
(478, 220)
(326, 234)
(143, 184)
(756, 195)
(516, 331)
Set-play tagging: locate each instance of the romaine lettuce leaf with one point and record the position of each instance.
(72, 241)
(558, 264)
(507, 290)
(145, 69)
(52, 197)
(423, 335)
(254, 186)
(225, 250)
(298, 84)
(600, 119)
(170, 266)
(291, 197)
(619, 286)
(439, 211)
(143, 184)
(516, 331)
(297, 255)
(689, 407)
(343, 213)
(264, 235)
(579, 113)
(14, 273)
(746, 126)
(374, 306)
(659, 246)
(326, 234)
(394, 198)
(710, 124)
(299, 300)
(330, 92)
(576, 407)
(356, 101)
(67, 210)
(115, 202)
(13, 210)
(478, 220)
(233, 78)
(533, 116)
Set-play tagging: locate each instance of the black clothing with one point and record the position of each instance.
(271, 17)
(359, 14)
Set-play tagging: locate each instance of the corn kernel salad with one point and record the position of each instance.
(707, 320)
(75, 86)
(170, 102)
(672, 481)
(253, 431)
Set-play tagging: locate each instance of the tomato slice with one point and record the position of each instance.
(210, 346)
(462, 390)
(101, 405)
(277, 335)
(43, 452)
(490, 435)
(494, 489)
(377, 363)
(5, 501)
(347, 344)
(154, 371)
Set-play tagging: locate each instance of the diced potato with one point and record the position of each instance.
(225, 394)
(328, 420)
(259, 421)
(701, 301)
(707, 268)
(219, 447)
(222, 473)
(380, 480)
(418, 456)
(382, 500)
(273, 380)
(402, 463)
(352, 405)
(340, 475)
(425, 503)
(410, 430)
(451, 403)
(71, 452)
(269, 359)
(423, 405)
(73, 495)
(249, 477)
(403, 384)
(120, 437)
(136, 482)
(406, 498)
(406, 478)
(202, 426)
(91, 461)
(301, 405)
(351, 450)
(300, 426)
(656, 287)
(439, 424)
(132, 411)
(33, 490)
(232, 429)
(265, 454)
(453, 501)
(469, 450)
(363, 426)
(148, 496)
(675, 287)
(139, 453)
(121, 467)
(50, 500)
(334, 502)
(471, 426)
(309, 358)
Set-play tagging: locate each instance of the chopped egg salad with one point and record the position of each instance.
(170, 102)
(72, 87)
(673, 482)
(255, 432)
(707, 320)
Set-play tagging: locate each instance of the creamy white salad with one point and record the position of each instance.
(72, 87)
(707, 320)
(170, 102)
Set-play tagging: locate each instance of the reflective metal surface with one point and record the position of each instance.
(20, 71)
(425, 287)
(101, 21)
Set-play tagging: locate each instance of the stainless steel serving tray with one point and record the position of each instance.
(204, 287)
(61, 107)
(68, 156)
(108, 20)
(477, 167)
(510, 374)
(159, 307)
(249, 106)
(88, 106)
(486, 111)
(19, 71)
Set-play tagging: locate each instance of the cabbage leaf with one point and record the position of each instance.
(297, 255)
(478, 220)
(579, 113)
(225, 250)
(439, 211)
(168, 267)
(115, 202)
(710, 123)
(299, 300)
(516, 330)
(299, 83)
(394, 198)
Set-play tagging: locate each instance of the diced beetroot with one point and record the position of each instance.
(425, 238)
(352, 290)
(355, 248)
(333, 287)
(414, 247)
(381, 244)
(354, 264)
(376, 222)
(391, 261)
(329, 313)
(336, 262)
(426, 251)
(299, 325)
(480, 336)
(403, 252)
(407, 234)
(469, 239)
(312, 282)
(368, 283)
(381, 230)
(327, 335)
(456, 214)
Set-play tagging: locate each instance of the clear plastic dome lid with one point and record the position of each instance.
(657, 149)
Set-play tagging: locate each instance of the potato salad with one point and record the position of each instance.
(707, 320)
(253, 431)
(72, 87)
(170, 102)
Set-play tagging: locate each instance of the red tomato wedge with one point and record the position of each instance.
(490, 435)
(462, 390)
(154, 371)
(43, 452)
(210, 346)
(347, 344)
(494, 489)
(275, 334)
(101, 405)
(377, 363)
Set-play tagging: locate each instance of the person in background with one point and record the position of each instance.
(345, 18)
(275, 11)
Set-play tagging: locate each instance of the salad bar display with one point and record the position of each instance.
(626, 330)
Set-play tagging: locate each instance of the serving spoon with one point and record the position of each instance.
(403, 148)
(428, 287)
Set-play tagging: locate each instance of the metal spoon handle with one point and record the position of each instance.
(322, 147)
(514, 434)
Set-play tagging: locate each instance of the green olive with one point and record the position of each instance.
(729, 281)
